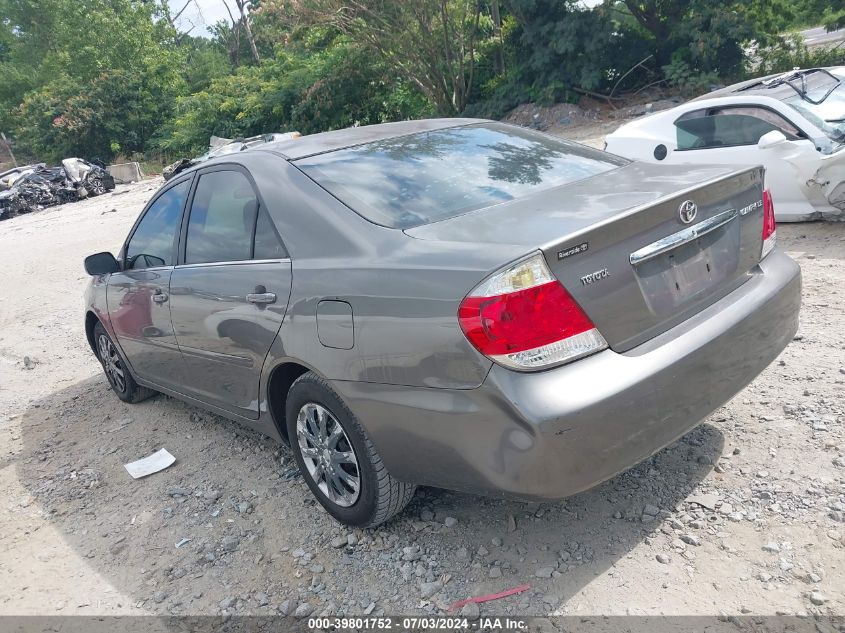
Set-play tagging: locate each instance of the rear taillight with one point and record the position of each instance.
(769, 226)
(522, 318)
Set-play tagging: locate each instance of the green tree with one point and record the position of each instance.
(76, 73)
(434, 43)
(832, 12)
(562, 44)
(322, 82)
(811, 13)
(706, 35)
(205, 60)
(118, 111)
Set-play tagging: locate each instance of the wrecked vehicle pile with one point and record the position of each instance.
(8, 177)
(42, 186)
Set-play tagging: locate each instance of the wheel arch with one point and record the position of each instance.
(91, 321)
(279, 383)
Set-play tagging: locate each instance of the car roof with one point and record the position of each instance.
(312, 144)
(730, 91)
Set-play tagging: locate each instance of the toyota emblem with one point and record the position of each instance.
(687, 211)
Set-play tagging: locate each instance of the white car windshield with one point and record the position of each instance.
(828, 116)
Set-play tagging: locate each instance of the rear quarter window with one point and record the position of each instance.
(413, 180)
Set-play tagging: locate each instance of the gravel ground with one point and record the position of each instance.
(743, 515)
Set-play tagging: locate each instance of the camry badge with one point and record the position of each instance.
(751, 207)
(687, 211)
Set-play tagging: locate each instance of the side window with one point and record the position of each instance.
(730, 127)
(154, 239)
(222, 219)
(267, 242)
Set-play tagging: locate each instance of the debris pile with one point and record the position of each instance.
(221, 146)
(35, 187)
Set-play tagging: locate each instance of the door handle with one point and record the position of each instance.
(261, 297)
(159, 296)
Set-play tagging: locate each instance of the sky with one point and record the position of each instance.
(201, 14)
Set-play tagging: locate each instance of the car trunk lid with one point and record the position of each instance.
(618, 243)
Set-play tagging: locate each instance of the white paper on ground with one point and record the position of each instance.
(159, 460)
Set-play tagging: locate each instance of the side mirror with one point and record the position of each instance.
(771, 139)
(101, 264)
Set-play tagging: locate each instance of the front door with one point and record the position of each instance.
(138, 295)
(729, 136)
(229, 294)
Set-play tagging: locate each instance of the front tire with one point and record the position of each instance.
(97, 187)
(337, 459)
(119, 376)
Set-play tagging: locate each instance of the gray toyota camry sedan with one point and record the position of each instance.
(454, 303)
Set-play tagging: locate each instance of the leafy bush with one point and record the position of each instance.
(116, 111)
(106, 77)
(554, 51)
(320, 85)
(791, 53)
(80, 76)
(830, 13)
(680, 75)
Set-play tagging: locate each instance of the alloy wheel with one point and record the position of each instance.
(112, 363)
(328, 454)
(98, 187)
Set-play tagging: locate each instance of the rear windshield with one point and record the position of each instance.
(412, 180)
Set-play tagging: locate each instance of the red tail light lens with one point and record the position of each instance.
(515, 322)
(769, 224)
(524, 319)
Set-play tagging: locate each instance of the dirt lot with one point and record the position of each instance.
(743, 515)
(590, 120)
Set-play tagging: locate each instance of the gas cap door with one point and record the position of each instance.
(335, 326)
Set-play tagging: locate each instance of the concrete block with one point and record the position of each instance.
(126, 172)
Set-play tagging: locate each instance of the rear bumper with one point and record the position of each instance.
(552, 434)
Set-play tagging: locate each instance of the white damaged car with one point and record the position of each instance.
(793, 124)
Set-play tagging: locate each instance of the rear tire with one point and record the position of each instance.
(340, 465)
(118, 375)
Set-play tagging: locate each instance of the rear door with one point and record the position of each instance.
(138, 295)
(230, 290)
